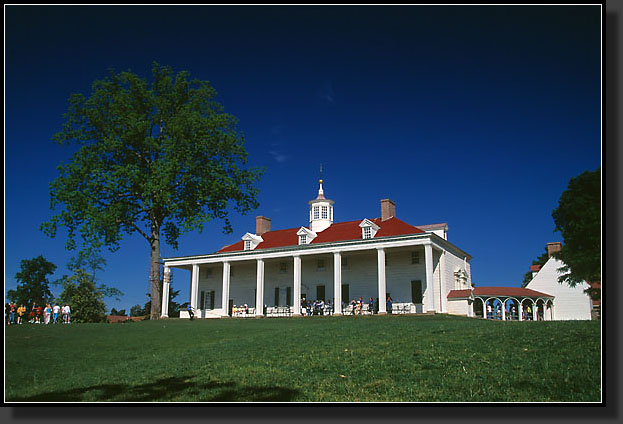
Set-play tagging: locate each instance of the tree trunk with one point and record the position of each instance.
(154, 273)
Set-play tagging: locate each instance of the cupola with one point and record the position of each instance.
(320, 212)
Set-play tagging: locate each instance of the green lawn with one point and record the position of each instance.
(319, 359)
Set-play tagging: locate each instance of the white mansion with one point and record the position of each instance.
(374, 258)
(270, 272)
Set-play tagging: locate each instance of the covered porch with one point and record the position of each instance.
(256, 284)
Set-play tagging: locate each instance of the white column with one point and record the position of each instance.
(259, 290)
(194, 286)
(443, 297)
(165, 292)
(430, 287)
(533, 311)
(337, 283)
(484, 308)
(520, 311)
(296, 307)
(225, 300)
(504, 311)
(382, 282)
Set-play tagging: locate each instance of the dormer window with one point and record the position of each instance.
(368, 229)
(305, 235)
(251, 241)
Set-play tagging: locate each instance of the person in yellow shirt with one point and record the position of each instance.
(20, 312)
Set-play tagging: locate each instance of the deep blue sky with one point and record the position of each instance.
(477, 116)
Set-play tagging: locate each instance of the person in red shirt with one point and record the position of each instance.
(39, 310)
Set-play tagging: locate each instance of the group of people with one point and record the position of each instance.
(47, 314)
(511, 313)
(317, 307)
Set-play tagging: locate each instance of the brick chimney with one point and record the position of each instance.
(388, 209)
(262, 225)
(553, 248)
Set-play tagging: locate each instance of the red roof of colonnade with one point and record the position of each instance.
(497, 291)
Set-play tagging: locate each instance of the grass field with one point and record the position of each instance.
(319, 359)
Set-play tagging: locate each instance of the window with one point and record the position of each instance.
(320, 266)
(288, 296)
(209, 273)
(320, 292)
(276, 296)
(416, 291)
(345, 294)
(344, 262)
(247, 245)
(367, 233)
(325, 212)
(283, 267)
(303, 239)
(415, 257)
(316, 212)
(210, 300)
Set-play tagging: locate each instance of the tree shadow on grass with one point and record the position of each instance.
(172, 389)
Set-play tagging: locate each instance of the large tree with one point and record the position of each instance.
(578, 218)
(33, 284)
(154, 159)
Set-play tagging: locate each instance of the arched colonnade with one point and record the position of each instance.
(514, 308)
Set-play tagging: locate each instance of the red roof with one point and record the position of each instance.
(339, 231)
(497, 291)
(535, 268)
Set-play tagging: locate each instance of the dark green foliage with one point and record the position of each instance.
(578, 218)
(153, 159)
(33, 284)
(137, 311)
(538, 261)
(85, 297)
(81, 291)
(324, 359)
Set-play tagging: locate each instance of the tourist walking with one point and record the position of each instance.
(68, 312)
(371, 306)
(189, 308)
(389, 304)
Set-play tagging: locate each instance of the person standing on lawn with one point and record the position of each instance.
(189, 308)
(68, 313)
(371, 306)
(55, 311)
(20, 314)
(47, 311)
